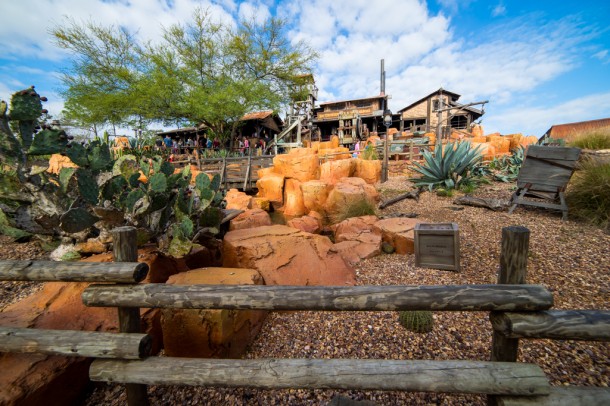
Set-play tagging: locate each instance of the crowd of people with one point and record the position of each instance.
(242, 145)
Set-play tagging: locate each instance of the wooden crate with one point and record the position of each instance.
(437, 246)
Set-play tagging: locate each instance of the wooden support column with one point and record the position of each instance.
(513, 270)
(125, 249)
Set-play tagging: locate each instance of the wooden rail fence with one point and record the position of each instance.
(518, 311)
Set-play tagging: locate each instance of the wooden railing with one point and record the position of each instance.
(518, 311)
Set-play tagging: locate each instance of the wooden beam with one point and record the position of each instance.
(565, 396)
(75, 343)
(50, 271)
(427, 297)
(589, 325)
(358, 374)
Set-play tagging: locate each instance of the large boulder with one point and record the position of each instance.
(259, 203)
(201, 333)
(349, 191)
(237, 200)
(249, 219)
(368, 169)
(333, 171)
(293, 199)
(311, 223)
(335, 153)
(315, 193)
(271, 187)
(399, 232)
(287, 256)
(300, 164)
(346, 229)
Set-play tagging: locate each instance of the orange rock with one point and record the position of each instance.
(315, 146)
(315, 193)
(486, 149)
(259, 203)
(237, 200)
(477, 130)
(294, 204)
(479, 139)
(514, 140)
(496, 134)
(324, 145)
(199, 333)
(301, 167)
(311, 223)
(334, 141)
(334, 154)
(353, 251)
(265, 172)
(57, 161)
(347, 191)
(249, 219)
(271, 251)
(529, 140)
(398, 232)
(373, 139)
(345, 230)
(271, 187)
(368, 169)
(501, 144)
(332, 171)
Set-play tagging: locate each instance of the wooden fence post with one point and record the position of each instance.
(125, 249)
(513, 270)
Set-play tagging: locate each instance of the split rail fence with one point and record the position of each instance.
(518, 311)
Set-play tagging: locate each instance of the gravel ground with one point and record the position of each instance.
(570, 258)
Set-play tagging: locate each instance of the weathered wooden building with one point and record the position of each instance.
(261, 124)
(350, 119)
(422, 116)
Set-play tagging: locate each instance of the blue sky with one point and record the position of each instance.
(539, 62)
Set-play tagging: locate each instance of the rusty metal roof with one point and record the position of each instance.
(257, 115)
(569, 131)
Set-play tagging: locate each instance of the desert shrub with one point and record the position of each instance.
(369, 153)
(588, 194)
(448, 168)
(594, 140)
(354, 208)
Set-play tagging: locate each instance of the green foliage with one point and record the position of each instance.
(354, 208)
(588, 193)
(369, 153)
(201, 71)
(594, 140)
(8, 230)
(418, 321)
(506, 169)
(447, 169)
(76, 220)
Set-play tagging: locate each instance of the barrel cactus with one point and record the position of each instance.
(419, 321)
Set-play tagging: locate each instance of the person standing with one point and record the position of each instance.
(167, 141)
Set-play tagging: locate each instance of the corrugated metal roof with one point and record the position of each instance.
(257, 115)
(569, 131)
(352, 100)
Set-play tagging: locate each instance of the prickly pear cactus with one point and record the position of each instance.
(418, 321)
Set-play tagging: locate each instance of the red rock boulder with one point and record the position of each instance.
(287, 256)
(293, 199)
(250, 219)
(399, 232)
(315, 193)
(300, 164)
(349, 191)
(271, 187)
(200, 333)
(237, 200)
(311, 223)
(333, 171)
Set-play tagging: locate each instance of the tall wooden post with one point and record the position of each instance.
(125, 249)
(513, 270)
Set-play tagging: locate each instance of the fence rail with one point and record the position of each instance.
(518, 311)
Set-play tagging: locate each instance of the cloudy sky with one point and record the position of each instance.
(538, 63)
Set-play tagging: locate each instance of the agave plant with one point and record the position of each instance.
(447, 169)
(508, 167)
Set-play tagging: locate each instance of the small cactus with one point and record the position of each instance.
(418, 321)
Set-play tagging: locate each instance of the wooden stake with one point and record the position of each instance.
(125, 249)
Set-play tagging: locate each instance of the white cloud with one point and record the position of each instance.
(603, 56)
(498, 10)
(535, 120)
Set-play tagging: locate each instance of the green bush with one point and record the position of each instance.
(594, 140)
(355, 208)
(588, 194)
(447, 169)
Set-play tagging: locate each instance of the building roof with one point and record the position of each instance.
(457, 96)
(266, 118)
(570, 131)
(189, 131)
(351, 100)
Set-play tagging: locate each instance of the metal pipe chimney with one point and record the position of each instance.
(382, 79)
